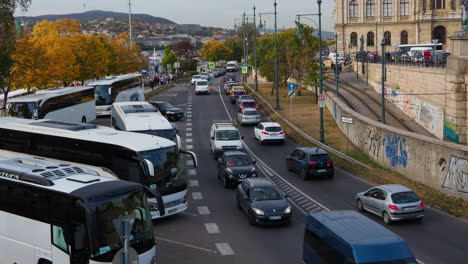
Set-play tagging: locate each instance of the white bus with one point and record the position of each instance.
(142, 117)
(123, 88)
(71, 104)
(405, 48)
(152, 161)
(61, 213)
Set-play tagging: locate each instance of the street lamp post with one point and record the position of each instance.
(276, 58)
(337, 74)
(255, 50)
(322, 131)
(383, 80)
(362, 55)
(245, 35)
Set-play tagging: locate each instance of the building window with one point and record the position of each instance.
(370, 8)
(353, 9)
(440, 34)
(353, 39)
(370, 39)
(388, 38)
(404, 7)
(387, 8)
(404, 37)
(438, 4)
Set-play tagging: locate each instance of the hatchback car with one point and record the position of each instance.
(392, 202)
(168, 110)
(202, 87)
(245, 97)
(263, 202)
(234, 167)
(196, 78)
(235, 94)
(269, 132)
(228, 86)
(310, 162)
(248, 116)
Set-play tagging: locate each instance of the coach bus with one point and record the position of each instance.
(405, 48)
(122, 88)
(152, 161)
(61, 213)
(71, 104)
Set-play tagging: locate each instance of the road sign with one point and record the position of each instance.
(177, 65)
(292, 93)
(321, 101)
(211, 65)
(169, 67)
(347, 120)
(245, 69)
(292, 86)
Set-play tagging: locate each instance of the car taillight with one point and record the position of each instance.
(282, 133)
(256, 107)
(244, 117)
(264, 133)
(242, 107)
(259, 116)
(421, 205)
(329, 162)
(313, 163)
(393, 207)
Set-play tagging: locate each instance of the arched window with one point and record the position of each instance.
(438, 4)
(353, 9)
(370, 8)
(440, 33)
(370, 38)
(404, 7)
(388, 38)
(353, 39)
(387, 8)
(404, 37)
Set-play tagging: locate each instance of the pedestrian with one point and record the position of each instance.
(171, 77)
(333, 66)
(339, 67)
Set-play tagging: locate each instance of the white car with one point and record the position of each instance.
(224, 136)
(202, 86)
(196, 78)
(269, 132)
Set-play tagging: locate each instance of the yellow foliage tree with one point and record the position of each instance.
(215, 51)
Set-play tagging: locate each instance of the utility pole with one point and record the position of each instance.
(255, 50)
(130, 19)
(322, 131)
(383, 80)
(245, 38)
(362, 55)
(276, 58)
(337, 74)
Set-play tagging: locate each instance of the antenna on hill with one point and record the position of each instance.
(84, 5)
(130, 19)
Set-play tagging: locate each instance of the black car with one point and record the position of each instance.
(263, 202)
(310, 162)
(168, 110)
(234, 167)
(230, 77)
(235, 94)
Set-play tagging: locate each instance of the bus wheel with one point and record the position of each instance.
(83, 119)
(44, 261)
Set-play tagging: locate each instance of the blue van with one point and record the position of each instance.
(347, 237)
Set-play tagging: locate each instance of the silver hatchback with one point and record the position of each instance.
(249, 116)
(392, 202)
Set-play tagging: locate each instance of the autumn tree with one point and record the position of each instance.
(215, 51)
(236, 49)
(184, 49)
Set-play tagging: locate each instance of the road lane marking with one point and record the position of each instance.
(189, 124)
(186, 245)
(188, 140)
(192, 172)
(212, 228)
(189, 119)
(194, 183)
(188, 214)
(197, 196)
(189, 116)
(189, 129)
(189, 147)
(188, 134)
(203, 210)
(225, 249)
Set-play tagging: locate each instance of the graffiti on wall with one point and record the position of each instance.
(456, 177)
(374, 141)
(396, 150)
(450, 131)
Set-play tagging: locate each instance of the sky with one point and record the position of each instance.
(220, 13)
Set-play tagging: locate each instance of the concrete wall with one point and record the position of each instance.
(439, 164)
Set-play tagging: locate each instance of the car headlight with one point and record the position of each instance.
(288, 210)
(170, 112)
(258, 211)
(229, 171)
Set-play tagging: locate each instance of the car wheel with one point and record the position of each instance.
(225, 183)
(386, 218)
(219, 175)
(304, 175)
(252, 219)
(360, 207)
(331, 175)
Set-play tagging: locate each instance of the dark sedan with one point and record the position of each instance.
(235, 94)
(168, 110)
(310, 162)
(234, 167)
(263, 202)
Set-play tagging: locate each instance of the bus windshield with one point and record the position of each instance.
(22, 110)
(105, 241)
(164, 133)
(102, 95)
(169, 174)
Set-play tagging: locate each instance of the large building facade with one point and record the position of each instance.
(396, 22)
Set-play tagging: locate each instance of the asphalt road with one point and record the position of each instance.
(214, 231)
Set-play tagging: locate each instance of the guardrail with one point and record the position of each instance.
(305, 135)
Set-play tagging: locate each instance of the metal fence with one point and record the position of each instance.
(438, 61)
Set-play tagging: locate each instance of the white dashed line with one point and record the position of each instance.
(189, 124)
(224, 249)
(203, 210)
(197, 196)
(194, 183)
(188, 140)
(189, 116)
(212, 228)
(187, 245)
(189, 147)
(189, 129)
(188, 134)
(189, 119)
(192, 172)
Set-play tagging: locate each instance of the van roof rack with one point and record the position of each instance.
(224, 123)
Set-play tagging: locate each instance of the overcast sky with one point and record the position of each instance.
(219, 13)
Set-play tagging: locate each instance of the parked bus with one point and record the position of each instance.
(405, 48)
(347, 237)
(13, 94)
(71, 104)
(61, 213)
(152, 161)
(123, 88)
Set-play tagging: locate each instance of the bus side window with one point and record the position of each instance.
(58, 238)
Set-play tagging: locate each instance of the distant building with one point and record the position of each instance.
(190, 27)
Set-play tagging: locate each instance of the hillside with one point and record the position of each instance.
(101, 15)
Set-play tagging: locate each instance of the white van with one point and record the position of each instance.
(225, 136)
(332, 57)
(142, 117)
(231, 66)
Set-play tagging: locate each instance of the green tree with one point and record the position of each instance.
(169, 58)
(236, 49)
(188, 65)
(215, 51)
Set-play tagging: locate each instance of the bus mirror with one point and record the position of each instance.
(150, 166)
(179, 142)
(35, 114)
(193, 155)
(109, 91)
(155, 194)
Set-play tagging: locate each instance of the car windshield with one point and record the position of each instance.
(227, 135)
(239, 92)
(322, 157)
(250, 104)
(266, 194)
(202, 83)
(251, 112)
(102, 95)
(22, 110)
(196, 77)
(238, 161)
(232, 84)
(273, 129)
(166, 106)
(404, 197)
(400, 261)
(105, 240)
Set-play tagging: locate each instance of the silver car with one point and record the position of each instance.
(249, 116)
(392, 202)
